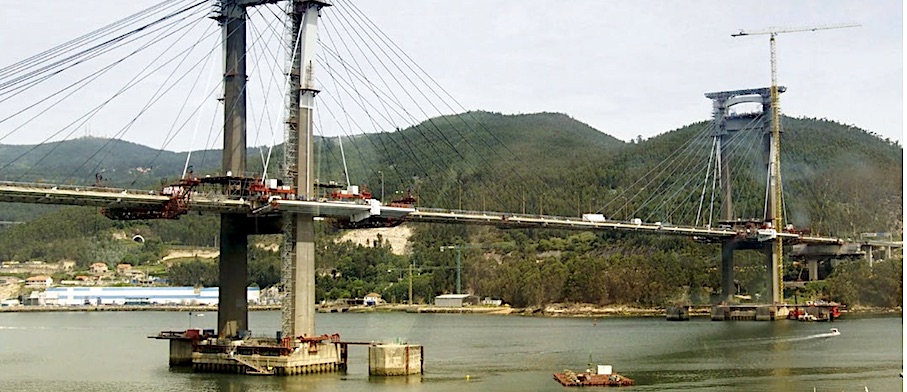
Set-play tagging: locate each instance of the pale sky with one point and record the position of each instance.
(626, 68)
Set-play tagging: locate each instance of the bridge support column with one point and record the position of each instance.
(233, 272)
(304, 276)
(774, 272)
(813, 270)
(869, 255)
(233, 26)
(299, 237)
(232, 315)
(728, 290)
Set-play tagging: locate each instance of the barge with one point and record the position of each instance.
(569, 378)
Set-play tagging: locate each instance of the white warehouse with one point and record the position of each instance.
(70, 296)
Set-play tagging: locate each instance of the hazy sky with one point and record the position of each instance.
(627, 68)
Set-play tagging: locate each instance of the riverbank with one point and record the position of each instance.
(126, 308)
(553, 310)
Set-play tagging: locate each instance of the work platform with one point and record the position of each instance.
(206, 353)
(749, 312)
(764, 312)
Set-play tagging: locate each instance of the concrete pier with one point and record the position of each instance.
(233, 315)
(233, 272)
(813, 270)
(678, 313)
(312, 357)
(180, 352)
(394, 359)
(727, 269)
(749, 312)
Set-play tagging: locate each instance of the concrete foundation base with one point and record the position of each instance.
(180, 352)
(749, 312)
(678, 313)
(306, 359)
(394, 359)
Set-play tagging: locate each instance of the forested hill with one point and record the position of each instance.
(475, 160)
(78, 161)
(838, 179)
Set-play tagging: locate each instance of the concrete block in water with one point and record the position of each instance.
(678, 313)
(180, 352)
(394, 359)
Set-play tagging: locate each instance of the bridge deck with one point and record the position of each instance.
(122, 198)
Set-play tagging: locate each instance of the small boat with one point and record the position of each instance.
(807, 317)
(834, 332)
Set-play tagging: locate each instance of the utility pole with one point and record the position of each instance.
(775, 154)
(411, 263)
(459, 254)
(459, 257)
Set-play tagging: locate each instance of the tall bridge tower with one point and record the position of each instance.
(232, 315)
(298, 250)
(299, 245)
(725, 125)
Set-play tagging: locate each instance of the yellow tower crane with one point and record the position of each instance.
(775, 152)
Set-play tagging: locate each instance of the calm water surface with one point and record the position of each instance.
(109, 351)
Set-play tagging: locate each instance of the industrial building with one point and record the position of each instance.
(71, 296)
(456, 300)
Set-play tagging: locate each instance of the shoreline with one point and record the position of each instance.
(554, 310)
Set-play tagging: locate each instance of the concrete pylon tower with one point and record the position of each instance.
(725, 126)
(232, 315)
(299, 229)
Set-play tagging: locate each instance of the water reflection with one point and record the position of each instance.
(396, 381)
(230, 384)
(781, 358)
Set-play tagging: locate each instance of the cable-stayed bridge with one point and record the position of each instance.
(396, 120)
(105, 197)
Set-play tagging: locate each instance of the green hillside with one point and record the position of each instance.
(475, 160)
(838, 180)
(535, 163)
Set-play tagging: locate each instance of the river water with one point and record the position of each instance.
(110, 351)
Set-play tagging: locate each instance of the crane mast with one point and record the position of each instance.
(775, 149)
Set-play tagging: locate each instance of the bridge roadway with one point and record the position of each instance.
(120, 197)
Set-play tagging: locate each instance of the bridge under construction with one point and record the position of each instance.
(290, 205)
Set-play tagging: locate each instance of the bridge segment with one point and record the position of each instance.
(120, 197)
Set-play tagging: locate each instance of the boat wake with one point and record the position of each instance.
(832, 333)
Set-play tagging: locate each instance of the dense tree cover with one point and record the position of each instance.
(855, 282)
(347, 270)
(193, 272)
(536, 267)
(83, 235)
(264, 270)
(60, 234)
